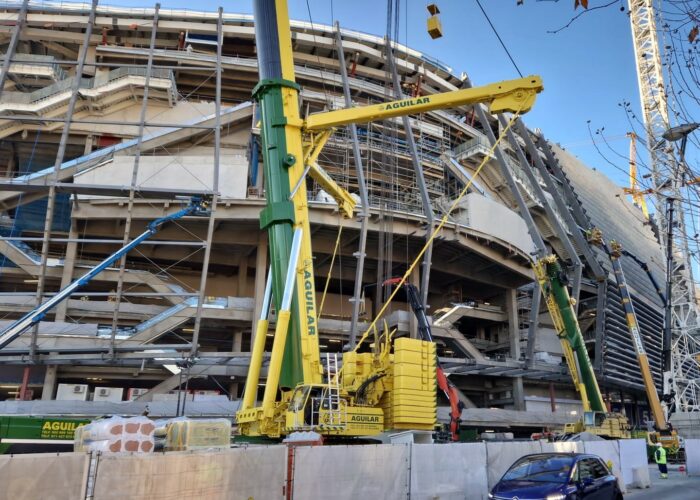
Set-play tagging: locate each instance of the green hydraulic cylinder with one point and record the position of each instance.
(572, 332)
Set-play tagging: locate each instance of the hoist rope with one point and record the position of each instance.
(435, 232)
(330, 269)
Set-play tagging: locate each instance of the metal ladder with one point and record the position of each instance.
(332, 392)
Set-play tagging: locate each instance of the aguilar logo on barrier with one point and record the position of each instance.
(59, 429)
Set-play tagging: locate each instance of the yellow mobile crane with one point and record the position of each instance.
(662, 433)
(394, 385)
(596, 418)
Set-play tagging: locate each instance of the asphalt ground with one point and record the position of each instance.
(678, 486)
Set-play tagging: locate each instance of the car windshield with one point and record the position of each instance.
(540, 470)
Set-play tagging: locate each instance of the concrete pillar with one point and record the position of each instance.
(511, 300)
(236, 347)
(68, 267)
(49, 388)
(260, 277)
(243, 277)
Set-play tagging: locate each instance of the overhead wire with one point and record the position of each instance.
(495, 32)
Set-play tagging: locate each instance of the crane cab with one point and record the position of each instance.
(320, 408)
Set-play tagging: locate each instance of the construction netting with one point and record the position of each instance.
(255, 472)
(49, 476)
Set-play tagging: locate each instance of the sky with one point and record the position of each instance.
(587, 68)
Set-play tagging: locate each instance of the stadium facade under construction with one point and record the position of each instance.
(107, 123)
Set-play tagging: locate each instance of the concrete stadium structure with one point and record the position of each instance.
(93, 157)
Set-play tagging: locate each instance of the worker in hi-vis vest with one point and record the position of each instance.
(660, 458)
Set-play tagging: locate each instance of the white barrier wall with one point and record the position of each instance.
(448, 471)
(256, 472)
(609, 451)
(500, 456)
(692, 456)
(364, 472)
(48, 476)
(351, 472)
(633, 462)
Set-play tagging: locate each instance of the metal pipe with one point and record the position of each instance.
(107, 242)
(668, 316)
(364, 197)
(215, 188)
(577, 236)
(134, 175)
(12, 46)
(51, 203)
(541, 249)
(28, 118)
(551, 215)
(420, 177)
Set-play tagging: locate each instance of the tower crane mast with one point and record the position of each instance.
(681, 383)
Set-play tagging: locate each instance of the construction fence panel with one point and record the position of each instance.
(634, 463)
(448, 471)
(609, 451)
(562, 447)
(48, 476)
(501, 455)
(692, 456)
(254, 472)
(351, 472)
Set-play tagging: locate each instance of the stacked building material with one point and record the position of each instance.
(116, 434)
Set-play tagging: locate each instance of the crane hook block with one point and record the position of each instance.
(434, 24)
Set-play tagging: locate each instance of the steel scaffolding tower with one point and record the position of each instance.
(681, 371)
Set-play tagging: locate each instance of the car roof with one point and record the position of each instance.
(559, 454)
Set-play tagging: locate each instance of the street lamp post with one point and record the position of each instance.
(673, 134)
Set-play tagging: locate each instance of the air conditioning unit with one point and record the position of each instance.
(72, 392)
(113, 394)
(134, 393)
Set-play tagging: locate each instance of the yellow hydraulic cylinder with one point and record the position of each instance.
(253, 379)
(273, 373)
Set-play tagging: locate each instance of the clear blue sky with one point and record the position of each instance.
(587, 68)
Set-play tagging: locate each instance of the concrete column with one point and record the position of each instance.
(514, 337)
(49, 388)
(243, 277)
(68, 267)
(260, 277)
(236, 347)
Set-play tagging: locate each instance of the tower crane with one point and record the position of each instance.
(681, 349)
(637, 194)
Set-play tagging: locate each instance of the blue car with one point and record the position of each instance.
(557, 476)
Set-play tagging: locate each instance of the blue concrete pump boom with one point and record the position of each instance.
(197, 206)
